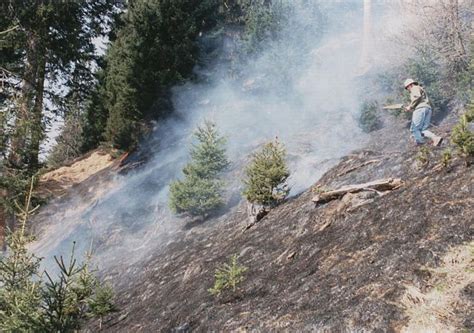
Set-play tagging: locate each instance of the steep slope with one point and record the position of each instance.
(399, 262)
(342, 266)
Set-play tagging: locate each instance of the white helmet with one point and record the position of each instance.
(408, 82)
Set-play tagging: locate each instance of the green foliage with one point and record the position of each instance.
(195, 196)
(446, 158)
(266, 175)
(200, 192)
(423, 156)
(228, 276)
(31, 303)
(52, 40)
(69, 142)
(263, 20)
(101, 303)
(20, 289)
(423, 68)
(369, 120)
(15, 183)
(428, 72)
(95, 116)
(463, 137)
(155, 49)
(465, 79)
(72, 297)
(470, 112)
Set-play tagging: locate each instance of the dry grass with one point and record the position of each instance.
(434, 310)
(56, 182)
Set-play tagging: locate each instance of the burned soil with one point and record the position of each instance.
(347, 265)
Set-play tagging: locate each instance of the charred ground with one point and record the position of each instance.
(342, 266)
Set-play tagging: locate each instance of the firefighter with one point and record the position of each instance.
(421, 108)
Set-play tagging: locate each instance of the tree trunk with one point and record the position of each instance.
(3, 220)
(37, 133)
(21, 133)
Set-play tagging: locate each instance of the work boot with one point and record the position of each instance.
(437, 141)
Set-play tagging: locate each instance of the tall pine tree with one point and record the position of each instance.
(155, 49)
(45, 40)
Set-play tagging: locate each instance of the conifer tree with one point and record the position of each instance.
(29, 303)
(20, 289)
(266, 175)
(200, 192)
(463, 138)
(45, 40)
(155, 49)
(95, 116)
(69, 141)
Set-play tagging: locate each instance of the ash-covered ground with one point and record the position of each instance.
(362, 263)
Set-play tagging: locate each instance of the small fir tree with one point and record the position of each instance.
(101, 304)
(72, 297)
(228, 276)
(463, 138)
(20, 287)
(30, 303)
(266, 176)
(200, 192)
(446, 158)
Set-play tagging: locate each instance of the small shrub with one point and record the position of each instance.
(228, 276)
(266, 176)
(101, 303)
(369, 120)
(470, 113)
(66, 297)
(446, 158)
(200, 192)
(423, 156)
(463, 138)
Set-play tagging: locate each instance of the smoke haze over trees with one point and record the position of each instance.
(257, 69)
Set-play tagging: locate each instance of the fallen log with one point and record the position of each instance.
(377, 185)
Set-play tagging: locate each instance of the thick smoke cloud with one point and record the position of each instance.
(303, 88)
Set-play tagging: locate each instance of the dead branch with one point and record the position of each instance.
(9, 30)
(377, 185)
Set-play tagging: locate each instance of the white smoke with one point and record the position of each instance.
(303, 89)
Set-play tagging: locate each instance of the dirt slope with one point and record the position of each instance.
(57, 182)
(340, 267)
